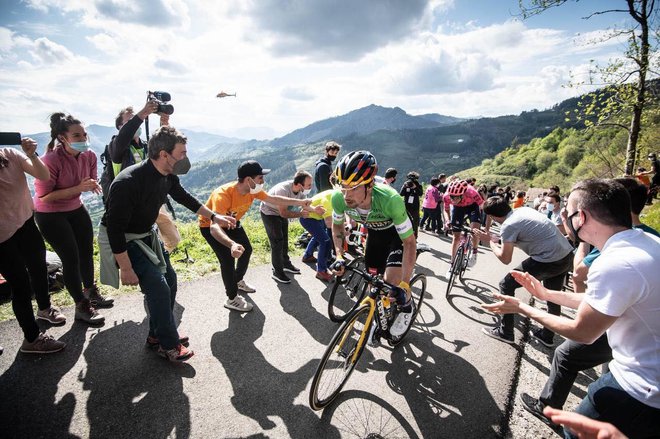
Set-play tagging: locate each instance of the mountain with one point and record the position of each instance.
(361, 122)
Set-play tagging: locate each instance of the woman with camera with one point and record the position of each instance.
(22, 249)
(62, 217)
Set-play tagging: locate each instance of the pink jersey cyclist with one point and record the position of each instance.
(470, 196)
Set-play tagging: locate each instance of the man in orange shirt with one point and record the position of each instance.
(234, 199)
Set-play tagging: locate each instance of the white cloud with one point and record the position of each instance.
(50, 52)
(297, 94)
(104, 43)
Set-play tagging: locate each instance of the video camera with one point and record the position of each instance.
(161, 97)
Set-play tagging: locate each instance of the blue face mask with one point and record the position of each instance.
(80, 146)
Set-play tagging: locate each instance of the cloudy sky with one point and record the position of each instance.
(291, 62)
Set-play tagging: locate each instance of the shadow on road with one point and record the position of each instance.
(261, 391)
(295, 302)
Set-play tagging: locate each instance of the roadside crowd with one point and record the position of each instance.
(592, 238)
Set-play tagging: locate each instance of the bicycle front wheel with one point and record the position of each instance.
(340, 358)
(417, 290)
(347, 292)
(466, 260)
(455, 268)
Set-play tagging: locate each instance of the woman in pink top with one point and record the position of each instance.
(61, 216)
(429, 206)
(22, 249)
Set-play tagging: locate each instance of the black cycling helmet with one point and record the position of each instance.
(356, 168)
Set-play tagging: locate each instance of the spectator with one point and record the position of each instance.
(540, 199)
(585, 428)
(552, 209)
(234, 199)
(317, 225)
(22, 249)
(411, 191)
(128, 240)
(390, 176)
(442, 188)
(622, 299)
(550, 258)
(519, 200)
(62, 217)
(276, 222)
(430, 206)
(323, 169)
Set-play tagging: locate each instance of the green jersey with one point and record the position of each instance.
(387, 210)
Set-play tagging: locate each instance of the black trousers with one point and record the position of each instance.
(232, 270)
(277, 230)
(72, 237)
(23, 265)
(552, 274)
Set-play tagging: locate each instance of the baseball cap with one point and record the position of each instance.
(251, 168)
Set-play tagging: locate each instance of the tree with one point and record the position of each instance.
(627, 94)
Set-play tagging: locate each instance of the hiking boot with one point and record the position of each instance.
(290, 268)
(542, 337)
(498, 334)
(52, 315)
(401, 322)
(245, 287)
(179, 354)
(96, 298)
(324, 276)
(473, 260)
(535, 407)
(238, 303)
(85, 312)
(309, 259)
(43, 344)
(281, 277)
(153, 343)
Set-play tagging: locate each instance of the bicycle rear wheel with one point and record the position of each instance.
(466, 259)
(455, 268)
(347, 292)
(340, 358)
(417, 290)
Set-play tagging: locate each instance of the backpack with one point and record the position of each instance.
(108, 173)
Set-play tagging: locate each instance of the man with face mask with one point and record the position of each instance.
(235, 199)
(550, 257)
(323, 168)
(622, 300)
(127, 232)
(276, 221)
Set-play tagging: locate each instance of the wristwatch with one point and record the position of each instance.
(212, 217)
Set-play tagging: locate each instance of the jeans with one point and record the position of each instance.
(277, 229)
(232, 270)
(159, 291)
(430, 214)
(570, 358)
(23, 265)
(72, 237)
(552, 274)
(320, 237)
(606, 401)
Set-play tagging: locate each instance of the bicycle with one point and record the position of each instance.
(460, 262)
(349, 290)
(367, 324)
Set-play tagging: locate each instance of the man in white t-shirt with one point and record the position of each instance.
(622, 299)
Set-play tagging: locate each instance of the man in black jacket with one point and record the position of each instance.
(411, 191)
(323, 168)
(127, 232)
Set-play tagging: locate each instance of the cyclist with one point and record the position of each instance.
(466, 202)
(391, 244)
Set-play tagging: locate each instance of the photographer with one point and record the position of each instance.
(411, 191)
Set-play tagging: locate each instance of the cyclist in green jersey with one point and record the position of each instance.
(391, 244)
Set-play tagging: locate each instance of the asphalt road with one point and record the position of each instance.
(251, 372)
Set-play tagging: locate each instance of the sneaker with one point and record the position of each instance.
(281, 278)
(543, 338)
(245, 287)
(448, 274)
(86, 313)
(96, 298)
(152, 342)
(43, 344)
(498, 334)
(535, 407)
(324, 276)
(291, 269)
(178, 354)
(51, 315)
(401, 323)
(238, 303)
(473, 260)
(309, 259)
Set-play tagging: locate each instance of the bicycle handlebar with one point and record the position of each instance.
(374, 279)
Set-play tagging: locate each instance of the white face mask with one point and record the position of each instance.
(550, 207)
(306, 191)
(257, 188)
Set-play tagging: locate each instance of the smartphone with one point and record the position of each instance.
(10, 138)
